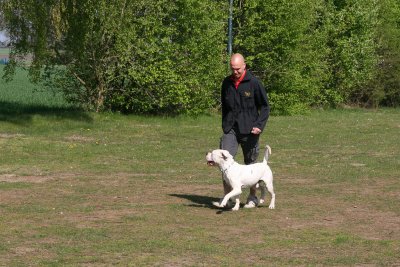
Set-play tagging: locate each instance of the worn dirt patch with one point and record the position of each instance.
(95, 218)
(79, 138)
(373, 224)
(9, 136)
(12, 197)
(22, 251)
(13, 178)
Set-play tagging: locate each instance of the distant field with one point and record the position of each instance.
(4, 51)
(20, 92)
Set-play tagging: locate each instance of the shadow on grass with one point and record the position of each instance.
(201, 201)
(22, 114)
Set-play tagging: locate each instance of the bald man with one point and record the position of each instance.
(245, 111)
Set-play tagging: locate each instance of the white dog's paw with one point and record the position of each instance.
(262, 201)
(272, 206)
(229, 204)
(216, 204)
(235, 208)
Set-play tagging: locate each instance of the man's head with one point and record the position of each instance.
(237, 65)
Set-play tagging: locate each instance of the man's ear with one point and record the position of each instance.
(223, 156)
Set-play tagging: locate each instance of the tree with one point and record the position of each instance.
(310, 53)
(148, 56)
(385, 88)
(353, 47)
(284, 42)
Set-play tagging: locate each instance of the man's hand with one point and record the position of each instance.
(255, 130)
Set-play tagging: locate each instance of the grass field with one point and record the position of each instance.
(4, 55)
(85, 189)
(4, 51)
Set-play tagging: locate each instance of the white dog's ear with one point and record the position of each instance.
(223, 156)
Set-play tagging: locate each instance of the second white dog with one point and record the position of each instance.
(239, 176)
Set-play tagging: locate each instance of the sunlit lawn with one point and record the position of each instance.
(80, 188)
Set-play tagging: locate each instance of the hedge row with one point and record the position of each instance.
(159, 56)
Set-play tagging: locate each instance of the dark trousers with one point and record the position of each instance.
(249, 142)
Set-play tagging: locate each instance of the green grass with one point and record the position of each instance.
(21, 93)
(20, 100)
(81, 188)
(4, 51)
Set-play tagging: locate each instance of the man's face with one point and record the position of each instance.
(237, 67)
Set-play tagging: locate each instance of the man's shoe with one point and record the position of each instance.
(252, 202)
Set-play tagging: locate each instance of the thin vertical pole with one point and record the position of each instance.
(230, 28)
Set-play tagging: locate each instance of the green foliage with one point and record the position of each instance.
(385, 89)
(353, 50)
(280, 40)
(158, 56)
(314, 53)
(137, 56)
(176, 64)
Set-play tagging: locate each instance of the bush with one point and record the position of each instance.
(284, 42)
(385, 88)
(144, 56)
(353, 50)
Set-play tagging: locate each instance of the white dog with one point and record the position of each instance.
(239, 176)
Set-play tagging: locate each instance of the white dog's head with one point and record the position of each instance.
(219, 156)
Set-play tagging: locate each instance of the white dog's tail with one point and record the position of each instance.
(267, 153)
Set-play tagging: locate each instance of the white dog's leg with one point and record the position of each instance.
(234, 192)
(237, 204)
(270, 188)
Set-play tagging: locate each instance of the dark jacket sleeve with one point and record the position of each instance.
(223, 104)
(261, 99)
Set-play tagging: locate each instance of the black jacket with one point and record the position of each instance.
(247, 106)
